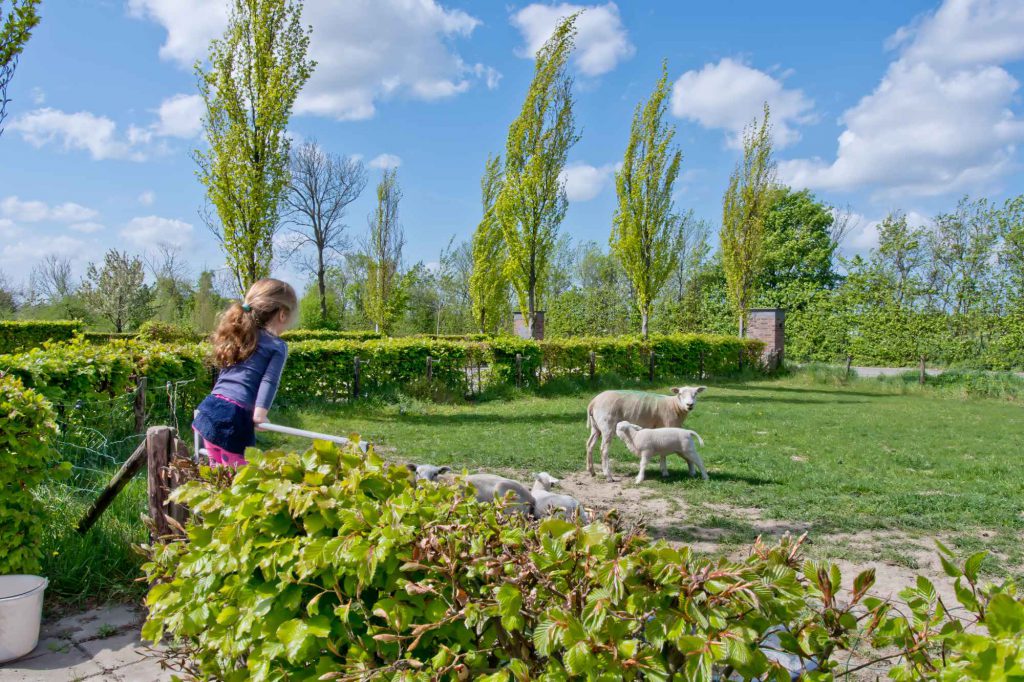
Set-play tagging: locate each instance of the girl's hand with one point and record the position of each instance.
(259, 415)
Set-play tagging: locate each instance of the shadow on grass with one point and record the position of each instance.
(745, 399)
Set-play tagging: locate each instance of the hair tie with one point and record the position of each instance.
(246, 307)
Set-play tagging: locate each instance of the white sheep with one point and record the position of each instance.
(661, 442)
(546, 502)
(649, 410)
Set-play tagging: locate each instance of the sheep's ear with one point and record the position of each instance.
(701, 389)
(444, 470)
(411, 467)
(674, 390)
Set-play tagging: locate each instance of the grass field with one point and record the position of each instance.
(832, 458)
(867, 466)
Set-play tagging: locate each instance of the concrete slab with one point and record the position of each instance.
(64, 665)
(146, 670)
(117, 651)
(94, 623)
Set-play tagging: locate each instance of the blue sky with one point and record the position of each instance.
(878, 106)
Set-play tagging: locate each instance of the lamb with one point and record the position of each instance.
(547, 502)
(648, 410)
(487, 487)
(662, 442)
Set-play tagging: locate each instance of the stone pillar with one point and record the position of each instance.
(522, 331)
(769, 325)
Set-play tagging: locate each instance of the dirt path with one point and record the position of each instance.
(898, 558)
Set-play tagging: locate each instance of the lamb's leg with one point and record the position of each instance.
(591, 442)
(689, 463)
(645, 456)
(664, 466)
(694, 457)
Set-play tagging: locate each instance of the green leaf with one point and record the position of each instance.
(972, 565)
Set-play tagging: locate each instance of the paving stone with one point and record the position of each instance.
(147, 670)
(118, 651)
(61, 665)
(91, 624)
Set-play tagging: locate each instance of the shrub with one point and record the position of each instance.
(164, 332)
(331, 564)
(329, 335)
(27, 424)
(17, 336)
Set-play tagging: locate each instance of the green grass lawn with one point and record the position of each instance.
(869, 455)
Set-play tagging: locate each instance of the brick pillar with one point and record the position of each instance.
(769, 325)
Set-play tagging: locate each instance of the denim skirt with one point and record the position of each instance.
(225, 424)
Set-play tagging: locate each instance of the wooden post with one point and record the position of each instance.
(355, 378)
(130, 467)
(849, 362)
(159, 444)
(430, 368)
(139, 407)
(921, 376)
(593, 364)
(700, 366)
(519, 370)
(650, 370)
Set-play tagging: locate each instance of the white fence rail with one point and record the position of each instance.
(286, 430)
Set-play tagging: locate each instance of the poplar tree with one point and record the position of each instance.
(15, 30)
(532, 201)
(384, 295)
(488, 284)
(646, 231)
(744, 207)
(256, 70)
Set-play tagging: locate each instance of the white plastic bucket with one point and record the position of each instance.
(21, 609)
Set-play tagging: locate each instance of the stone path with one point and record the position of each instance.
(102, 644)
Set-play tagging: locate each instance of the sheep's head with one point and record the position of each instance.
(546, 480)
(625, 431)
(427, 472)
(687, 396)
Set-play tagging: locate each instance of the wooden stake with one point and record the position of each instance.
(650, 371)
(130, 467)
(519, 370)
(593, 364)
(921, 376)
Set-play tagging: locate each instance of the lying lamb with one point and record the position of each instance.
(662, 442)
(547, 502)
(649, 410)
(487, 487)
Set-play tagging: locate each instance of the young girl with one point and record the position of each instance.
(248, 351)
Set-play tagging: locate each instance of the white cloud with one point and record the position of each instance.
(584, 182)
(86, 227)
(941, 119)
(147, 198)
(385, 161)
(150, 231)
(864, 235)
(8, 230)
(81, 130)
(38, 211)
(601, 39)
(366, 50)
(180, 116)
(17, 258)
(38, 96)
(730, 94)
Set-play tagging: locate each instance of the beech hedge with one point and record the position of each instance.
(333, 565)
(18, 335)
(27, 427)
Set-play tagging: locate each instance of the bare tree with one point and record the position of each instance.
(321, 188)
(166, 263)
(844, 221)
(50, 280)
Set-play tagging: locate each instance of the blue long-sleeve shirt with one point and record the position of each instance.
(254, 381)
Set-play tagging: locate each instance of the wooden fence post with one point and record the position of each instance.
(130, 467)
(921, 376)
(519, 370)
(650, 369)
(849, 363)
(430, 368)
(139, 406)
(159, 441)
(355, 378)
(700, 367)
(593, 364)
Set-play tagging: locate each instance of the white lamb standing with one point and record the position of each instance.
(546, 502)
(645, 443)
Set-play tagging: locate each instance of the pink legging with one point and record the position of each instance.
(221, 457)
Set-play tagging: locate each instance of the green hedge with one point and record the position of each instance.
(17, 336)
(329, 335)
(27, 426)
(167, 333)
(334, 565)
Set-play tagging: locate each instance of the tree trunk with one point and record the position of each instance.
(743, 326)
(644, 319)
(321, 285)
(531, 304)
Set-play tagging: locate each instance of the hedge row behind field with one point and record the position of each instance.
(27, 426)
(21, 335)
(329, 335)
